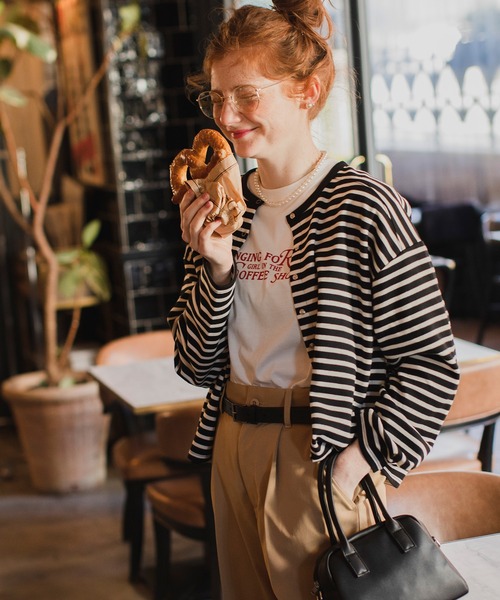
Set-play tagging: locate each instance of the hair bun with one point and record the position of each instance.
(301, 13)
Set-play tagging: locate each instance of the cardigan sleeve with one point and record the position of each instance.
(399, 425)
(199, 324)
(386, 373)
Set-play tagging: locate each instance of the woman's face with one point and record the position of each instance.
(274, 128)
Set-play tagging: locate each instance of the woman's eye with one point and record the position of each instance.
(246, 95)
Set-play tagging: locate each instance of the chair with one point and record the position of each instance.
(452, 504)
(136, 456)
(445, 272)
(455, 231)
(181, 504)
(477, 402)
(491, 301)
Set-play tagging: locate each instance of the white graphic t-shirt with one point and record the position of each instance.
(265, 344)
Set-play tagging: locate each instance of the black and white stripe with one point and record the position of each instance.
(371, 316)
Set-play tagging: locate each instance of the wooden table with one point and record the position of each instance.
(147, 386)
(478, 561)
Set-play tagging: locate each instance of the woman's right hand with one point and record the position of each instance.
(216, 250)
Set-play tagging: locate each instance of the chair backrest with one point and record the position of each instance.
(477, 402)
(477, 395)
(140, 346)
(175, 430)
(452, 504)
(445, 272)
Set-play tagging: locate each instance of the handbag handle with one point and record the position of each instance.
(335, 531)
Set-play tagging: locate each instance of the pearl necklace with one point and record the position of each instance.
(294, 194)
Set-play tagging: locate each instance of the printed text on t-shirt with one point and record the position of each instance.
(264, 266)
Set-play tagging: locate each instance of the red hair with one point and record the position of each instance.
(288, 41)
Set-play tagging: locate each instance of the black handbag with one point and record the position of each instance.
(395, 559)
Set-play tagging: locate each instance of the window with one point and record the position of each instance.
(435, 91)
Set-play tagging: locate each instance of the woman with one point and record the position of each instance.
(318, 326)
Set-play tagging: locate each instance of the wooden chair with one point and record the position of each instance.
(452, 504)
(182, 504)
(136, 456)
(477, 403)
(445, 271)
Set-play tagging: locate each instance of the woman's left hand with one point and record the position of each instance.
(350, 468)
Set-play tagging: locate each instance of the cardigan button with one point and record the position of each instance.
(292, 215)
(302, 311)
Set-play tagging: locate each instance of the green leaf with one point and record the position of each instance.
(96, 275)
(69, 282)
(42, 49)
(32, 43)
(20, 35)
(67, 257)
(11, 96)
(98, 283)
(90, 233)
(67, 381)
(87, 269)
(130, 16)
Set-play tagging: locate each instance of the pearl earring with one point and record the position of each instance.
(309, 104)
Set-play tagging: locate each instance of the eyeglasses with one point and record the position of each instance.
(245, 98)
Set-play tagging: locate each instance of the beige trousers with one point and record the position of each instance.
(268, 520)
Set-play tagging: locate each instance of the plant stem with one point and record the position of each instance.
(70, 339)
(54, 364)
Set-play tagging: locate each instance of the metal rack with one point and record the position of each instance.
(147, 121)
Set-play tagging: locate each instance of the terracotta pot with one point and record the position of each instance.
(63, 432)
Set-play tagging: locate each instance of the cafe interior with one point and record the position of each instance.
(97, 497)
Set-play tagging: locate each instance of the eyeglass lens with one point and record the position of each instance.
(244, 98)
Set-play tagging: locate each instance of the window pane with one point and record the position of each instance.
(435, 69)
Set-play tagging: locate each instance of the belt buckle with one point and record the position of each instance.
(229, 407)
(233, 410)
(246, 413)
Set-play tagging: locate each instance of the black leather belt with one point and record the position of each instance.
(299, 415)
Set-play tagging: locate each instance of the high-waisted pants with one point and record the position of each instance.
(269, 525)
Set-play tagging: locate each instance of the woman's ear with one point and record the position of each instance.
(311, 93)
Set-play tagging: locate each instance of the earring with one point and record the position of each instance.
(309, 104)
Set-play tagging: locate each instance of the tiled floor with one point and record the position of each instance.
(69, 547)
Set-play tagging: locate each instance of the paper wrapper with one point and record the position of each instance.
(223, 185)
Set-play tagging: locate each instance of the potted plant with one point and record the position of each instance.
(58, 412)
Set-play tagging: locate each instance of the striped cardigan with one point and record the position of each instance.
(371, 315)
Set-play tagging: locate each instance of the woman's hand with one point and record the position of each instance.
(350, 468)
(215, 249)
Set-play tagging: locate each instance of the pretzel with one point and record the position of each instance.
(229, 205)
(195, 158)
